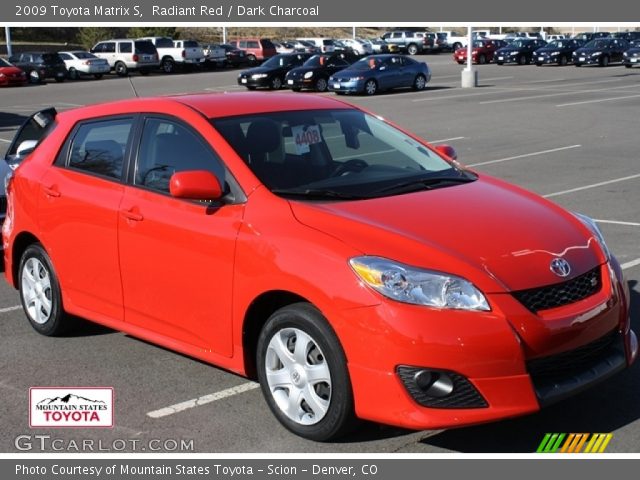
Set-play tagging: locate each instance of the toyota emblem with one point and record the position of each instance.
(560, 267)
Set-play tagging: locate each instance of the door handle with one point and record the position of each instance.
(132, 215)
(51, 191)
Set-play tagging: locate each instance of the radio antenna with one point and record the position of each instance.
(135, 92)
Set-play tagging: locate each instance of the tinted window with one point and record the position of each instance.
(98, 147)
(125, 47)
(164, 43)
(190, 44)
(266, 43)
(253, 44)
(51, 58)
(109, 47)
(145, 47)
(168, 147)
(65, 56)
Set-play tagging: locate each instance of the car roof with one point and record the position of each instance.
(213, 105)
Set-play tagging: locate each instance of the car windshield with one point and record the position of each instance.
(316, 61)
(596, 44)
(4, 63)
(367, 63)
(339, 154)
(518, 44)
(559, 44)
(279, 61)
(164, 43)
(84, 55)
(635, 43)
(479, 44)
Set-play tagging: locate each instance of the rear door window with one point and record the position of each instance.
(99, 147)
(125, 47)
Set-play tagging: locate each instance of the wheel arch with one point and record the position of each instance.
(257, 314)
(22, 241)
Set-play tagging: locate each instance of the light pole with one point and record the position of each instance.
(469, 75)
(7, 35)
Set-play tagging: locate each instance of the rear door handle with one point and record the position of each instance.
(51, 191)
(132, 215)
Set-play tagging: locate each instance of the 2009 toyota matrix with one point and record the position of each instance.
(355, 270)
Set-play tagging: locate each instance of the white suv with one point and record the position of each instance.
(125, 55)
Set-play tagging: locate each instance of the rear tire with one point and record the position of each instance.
(412, 49)
(40, 292)
(628, 66)
(73, 74)
(500, 63)
(121, 69)
(97, 76)
(168, 65)
(303, 375)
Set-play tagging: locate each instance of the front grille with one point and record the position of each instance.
(560, 294)
(464, 394)
(570, 363)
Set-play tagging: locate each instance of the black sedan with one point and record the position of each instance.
(601, 51)
(558, 52)
(519, 51)
(272, 72)
(632, 56)
(235, 56)
(314, 73)
(39, 66)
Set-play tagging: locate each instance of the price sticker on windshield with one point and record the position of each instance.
(304, 136)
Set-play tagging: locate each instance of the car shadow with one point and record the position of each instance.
(85, 328)
(604, 408)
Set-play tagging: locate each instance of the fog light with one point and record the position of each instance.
(434, 384)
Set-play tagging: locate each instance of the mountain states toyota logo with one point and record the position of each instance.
(82, 407)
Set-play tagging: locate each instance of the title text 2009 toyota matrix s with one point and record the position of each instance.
(352, 268)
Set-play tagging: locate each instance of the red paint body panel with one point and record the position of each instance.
(183, 275)
(12, 76)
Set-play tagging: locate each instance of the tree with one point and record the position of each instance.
(137, 32)
(89, 36)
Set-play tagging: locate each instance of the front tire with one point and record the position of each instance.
(40, 292)
(604, 61)
(97, 76)
(121, 69)
(370, 87)
(482, 59)
(276, 83)
(563, 61)
(303, 374)
(522, 60)
(321, 85)
(412, 49)
(168, 65)
(73, 74)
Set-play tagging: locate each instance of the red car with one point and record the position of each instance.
(353, 269)
(10, 75)
(481, 53)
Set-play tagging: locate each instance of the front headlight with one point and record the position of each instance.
(407, 284)
(591, 225)
(595, 54)
(553, 54)
(308, 75)
(355, 79)
(255, 76)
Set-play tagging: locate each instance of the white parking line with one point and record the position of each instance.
(533, 154)
(557, 94)
(597, 101)
(5, 140)
(446, 139)
(593, 185)
(618, 222)
(632, 263)
(10, 309)
(196, 402)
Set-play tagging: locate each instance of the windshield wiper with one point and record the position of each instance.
(312, 193)
(428, 183)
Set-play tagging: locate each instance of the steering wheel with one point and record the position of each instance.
(353, 165)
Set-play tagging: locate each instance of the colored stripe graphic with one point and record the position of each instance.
(574, 443)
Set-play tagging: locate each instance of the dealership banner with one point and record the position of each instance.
(20, 12)
(295, 469)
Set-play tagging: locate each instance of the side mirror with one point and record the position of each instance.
(195, 185)
(26, 147)
(448, 151)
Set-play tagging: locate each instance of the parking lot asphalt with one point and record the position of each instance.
(571, 134)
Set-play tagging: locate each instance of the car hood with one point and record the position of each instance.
(253, 71)
(10, 70)
(297, 71)
(553, 49)
(497, 235)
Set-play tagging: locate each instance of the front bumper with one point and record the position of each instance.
(254, 82)
(347, 86)
(511, 370)
(300, 83)
(631, 61)
(507, 58)
(586, 60)
(546, 59)
(94, 69)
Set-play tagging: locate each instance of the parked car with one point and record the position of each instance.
(257, 49)
(377, 73)
(556, 36)
(482, 52)
(631, 57)
(379, 46)
(214, 55)
(235, 57)
(177, 53)
(519, 51)
(327, 252)
(285, 47)
(272, 72)
(628, 36)
(601, 51)
(127, 55)
(10, 75)
(559, 52)
(79, 63)
(315, 72)
(358, 45)
(454, 40)
(325, 45)
(588, 36)
(406, 40)
(38, 66)
(305, 47)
